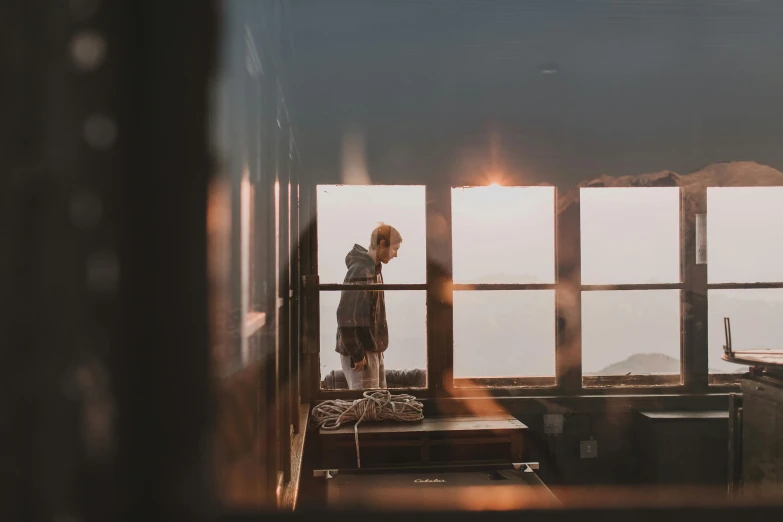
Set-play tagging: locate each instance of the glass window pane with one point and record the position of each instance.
(631, 332)
(347, 215)
(755, 323)
(744, 234)
(630, 235)
(503, 234)
(406, 315)
(504, 333)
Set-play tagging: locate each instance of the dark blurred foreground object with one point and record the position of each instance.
(104, 168)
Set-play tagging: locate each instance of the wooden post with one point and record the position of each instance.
(568, 300)
(694, 310)
(440, 312)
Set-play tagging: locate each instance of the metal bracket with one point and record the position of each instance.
(527, 467)
(727, 333)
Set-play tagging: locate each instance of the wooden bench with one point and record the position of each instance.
(432, 441)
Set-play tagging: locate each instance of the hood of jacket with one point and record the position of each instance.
(358, 262)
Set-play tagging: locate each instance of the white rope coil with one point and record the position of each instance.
(375, 406)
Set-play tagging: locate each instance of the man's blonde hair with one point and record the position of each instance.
(384, 232)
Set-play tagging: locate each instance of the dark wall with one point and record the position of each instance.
(613, 421)
(559, 454)
(632, 452)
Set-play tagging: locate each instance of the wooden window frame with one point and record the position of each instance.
(693, 379)
(676, 383)
(464, 385)
(715, 380)
(313, 292)
(439, 287)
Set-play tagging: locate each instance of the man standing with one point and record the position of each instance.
(362, 331)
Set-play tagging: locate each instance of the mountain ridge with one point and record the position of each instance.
(718, 174)
(647, 364)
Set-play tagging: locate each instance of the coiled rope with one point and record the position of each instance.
(375, 406)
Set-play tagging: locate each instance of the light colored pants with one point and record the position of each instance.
(372, 377)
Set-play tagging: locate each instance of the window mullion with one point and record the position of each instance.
(568, 300)
(310, 307)
(440, 312)
(694, 346)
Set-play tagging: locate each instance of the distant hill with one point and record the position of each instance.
(725, 174)
(642, 363)
(647, 363)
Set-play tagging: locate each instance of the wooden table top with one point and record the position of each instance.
(434, 424)
(770, 360)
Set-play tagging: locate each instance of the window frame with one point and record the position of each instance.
(316, 287)
(723, 379)
(673, 381)
(692, 380)
(479, 383)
